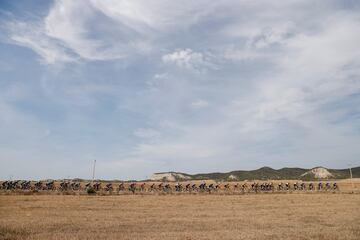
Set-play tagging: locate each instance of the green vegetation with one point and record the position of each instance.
(90, 191)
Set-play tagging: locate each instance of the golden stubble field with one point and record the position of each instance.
(252, 216)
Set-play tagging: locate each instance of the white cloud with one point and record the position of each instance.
(127, 28)
(309, 70)
(154, 14)
(33, 37)
(157, 80)
(231, 53)
(187, 58)
(320, 55)
(70, 32)
(146, 133)
(177, 151)
(75, 25)
(161, 76)
(274, 35)
(200, 103)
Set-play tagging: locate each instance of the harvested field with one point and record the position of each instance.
(263, 216)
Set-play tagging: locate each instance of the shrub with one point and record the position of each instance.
(90, 191)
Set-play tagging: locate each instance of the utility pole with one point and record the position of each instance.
(352, 183)
(93, 175)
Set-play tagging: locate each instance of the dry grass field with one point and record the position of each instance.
(262, 216)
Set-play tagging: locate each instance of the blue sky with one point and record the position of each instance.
(192, 86)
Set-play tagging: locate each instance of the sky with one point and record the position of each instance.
(190, 86)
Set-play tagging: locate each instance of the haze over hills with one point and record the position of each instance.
(264, 173)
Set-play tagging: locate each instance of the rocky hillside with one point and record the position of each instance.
(263, 173)
(170, 176)
(321, 173)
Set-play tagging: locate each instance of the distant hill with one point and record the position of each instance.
(170, 176)
(264, 173)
